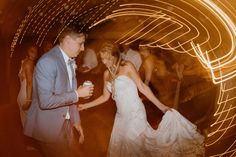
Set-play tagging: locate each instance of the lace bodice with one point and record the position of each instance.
(126, 95)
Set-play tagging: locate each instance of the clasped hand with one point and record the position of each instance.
(85, 91)
(82, 107)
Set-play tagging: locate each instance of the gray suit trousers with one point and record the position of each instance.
(66, 146)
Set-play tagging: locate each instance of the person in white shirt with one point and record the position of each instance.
(131, 55)
(90, 60)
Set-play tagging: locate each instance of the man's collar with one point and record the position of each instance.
(65, 56)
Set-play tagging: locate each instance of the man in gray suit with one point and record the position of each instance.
(53, 115)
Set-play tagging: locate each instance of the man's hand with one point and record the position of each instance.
(85, 91)
(79, 128)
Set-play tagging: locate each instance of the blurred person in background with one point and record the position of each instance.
(129, 54)
(25, 74)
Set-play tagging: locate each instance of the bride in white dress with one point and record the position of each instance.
(132, 136)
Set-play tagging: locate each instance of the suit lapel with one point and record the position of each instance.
(62, 64)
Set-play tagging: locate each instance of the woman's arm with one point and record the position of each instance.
(148, 69)
(101, 99)
(144, 89)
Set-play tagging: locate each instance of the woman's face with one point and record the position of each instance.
(107, 58)
(33, 52)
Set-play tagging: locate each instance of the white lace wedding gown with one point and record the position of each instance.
(132, 136)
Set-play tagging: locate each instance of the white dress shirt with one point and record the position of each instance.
(134, 57)
(66, 59)
(70, 74)
(90, 59)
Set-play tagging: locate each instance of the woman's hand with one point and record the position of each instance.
(82, 107)
(164, 109)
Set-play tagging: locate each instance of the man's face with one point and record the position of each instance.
(75, 45)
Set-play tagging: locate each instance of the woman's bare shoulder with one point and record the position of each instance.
(127, 64)
(129, 67)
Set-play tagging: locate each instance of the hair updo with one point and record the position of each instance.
(111, 48)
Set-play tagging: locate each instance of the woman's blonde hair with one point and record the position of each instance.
(110, 47)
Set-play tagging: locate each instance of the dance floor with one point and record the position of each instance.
(97, 123)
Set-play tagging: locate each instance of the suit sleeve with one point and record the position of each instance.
(45, 76)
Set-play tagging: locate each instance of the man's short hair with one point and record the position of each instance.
(71, 30)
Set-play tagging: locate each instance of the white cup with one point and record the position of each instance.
(87, 83)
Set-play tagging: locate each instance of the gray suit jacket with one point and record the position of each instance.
(52, 98)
